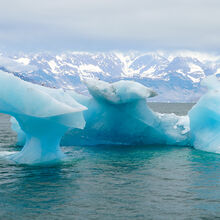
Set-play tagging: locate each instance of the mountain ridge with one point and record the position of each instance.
(175, 77)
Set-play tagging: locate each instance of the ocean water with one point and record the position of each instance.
(112, 182)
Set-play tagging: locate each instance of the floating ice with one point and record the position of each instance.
(43, 114)
(119, 92)
(118, 114)
(205, 118)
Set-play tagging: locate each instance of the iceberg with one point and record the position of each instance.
(115, 113)
(43, 114)
(118, 114)
(205, 118)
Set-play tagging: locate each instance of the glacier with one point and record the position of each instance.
(43, 115)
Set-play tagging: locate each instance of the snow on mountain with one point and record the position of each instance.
(175, 77)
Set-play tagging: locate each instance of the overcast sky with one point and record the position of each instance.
(103, 25)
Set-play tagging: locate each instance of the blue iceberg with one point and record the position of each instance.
(115, 113)
(118, 114)
(43, 114)
(205, 118)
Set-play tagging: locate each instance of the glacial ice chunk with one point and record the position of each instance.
(205, 118)
(43, 114)
(118, 114)
(120, 92)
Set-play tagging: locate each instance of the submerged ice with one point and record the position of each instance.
(115, 113)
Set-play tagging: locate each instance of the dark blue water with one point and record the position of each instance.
(111, 182)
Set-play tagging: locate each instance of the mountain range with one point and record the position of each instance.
(176, 77)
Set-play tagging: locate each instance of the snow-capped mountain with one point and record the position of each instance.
(175, 77)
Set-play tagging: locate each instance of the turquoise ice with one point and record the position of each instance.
(115, 113)
(43, 114)
(118, 114)
(205, 118)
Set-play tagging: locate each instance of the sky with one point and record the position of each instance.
(105, 25)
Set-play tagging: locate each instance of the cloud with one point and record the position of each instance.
(110, 24)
